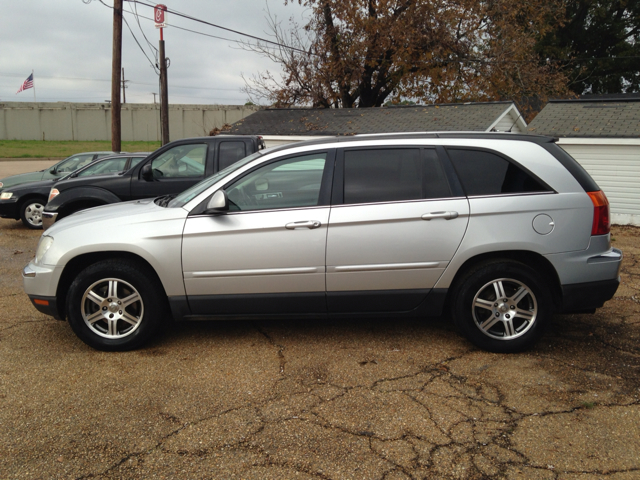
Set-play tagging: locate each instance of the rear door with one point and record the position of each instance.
(395, 224)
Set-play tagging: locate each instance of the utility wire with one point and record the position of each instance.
(189, 17)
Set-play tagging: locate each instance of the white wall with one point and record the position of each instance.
(92, 121)
(615, 166)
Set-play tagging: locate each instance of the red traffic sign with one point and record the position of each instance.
(160, 15)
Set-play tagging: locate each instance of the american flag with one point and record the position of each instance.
(28, 83)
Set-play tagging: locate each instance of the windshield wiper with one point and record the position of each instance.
(164, 200)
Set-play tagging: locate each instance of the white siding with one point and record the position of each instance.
(616, 169)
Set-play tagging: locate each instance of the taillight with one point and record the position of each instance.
(601, 219)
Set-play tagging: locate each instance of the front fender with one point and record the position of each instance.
(81, 194)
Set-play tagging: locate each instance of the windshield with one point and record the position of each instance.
(198, 188)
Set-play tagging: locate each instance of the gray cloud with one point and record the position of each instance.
(68, 45)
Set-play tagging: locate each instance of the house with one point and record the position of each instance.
(285, 125)
(603, 135)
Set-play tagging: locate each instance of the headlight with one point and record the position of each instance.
(43, 245)
(53, 193)
(6, 195)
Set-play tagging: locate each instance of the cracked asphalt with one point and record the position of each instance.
(382, 399)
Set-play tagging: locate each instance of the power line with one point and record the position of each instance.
(189, 17)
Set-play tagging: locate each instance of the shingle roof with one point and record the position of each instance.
(351, 121)
(592, 118)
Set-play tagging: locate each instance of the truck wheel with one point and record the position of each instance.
(116, 305)
(31, 212)
(501, 306)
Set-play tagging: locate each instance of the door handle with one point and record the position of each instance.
(310, 224)
(445, 215)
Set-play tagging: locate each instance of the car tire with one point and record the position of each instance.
(501, 306)
(116, 305)
(31, 212)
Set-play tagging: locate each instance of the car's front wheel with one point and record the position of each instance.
(501, 306)
(31, 212)
(116, 305)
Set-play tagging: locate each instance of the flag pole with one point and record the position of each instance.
(34, 87)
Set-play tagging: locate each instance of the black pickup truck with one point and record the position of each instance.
(169, 170)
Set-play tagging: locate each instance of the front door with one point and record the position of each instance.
(267, 254)
(173, 172)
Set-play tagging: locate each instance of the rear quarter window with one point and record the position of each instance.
(486, 173)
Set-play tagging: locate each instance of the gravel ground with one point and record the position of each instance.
(383, 399)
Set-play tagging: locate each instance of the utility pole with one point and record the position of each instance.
(161, 22)
(116, 65)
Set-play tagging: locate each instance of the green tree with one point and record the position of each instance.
(591, 44)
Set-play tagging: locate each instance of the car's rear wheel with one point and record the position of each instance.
(31, 212)
(501, 306)
(116, 305)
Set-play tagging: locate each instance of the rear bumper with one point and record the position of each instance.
(585, 297)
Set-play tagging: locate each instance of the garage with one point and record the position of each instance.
(603, 135)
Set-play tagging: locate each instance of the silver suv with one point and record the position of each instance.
(501, 229)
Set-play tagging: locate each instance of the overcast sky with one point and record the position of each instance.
(68, 44)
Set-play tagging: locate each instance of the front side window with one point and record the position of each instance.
(230, 153)
(294, 182)
(181, 161)
(486, 173)
(393, 174)
(113, 165)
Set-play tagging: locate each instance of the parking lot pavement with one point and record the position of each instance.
(390, 399)
(14, 167)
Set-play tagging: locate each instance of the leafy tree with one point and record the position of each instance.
(364, 52)
(591, 43)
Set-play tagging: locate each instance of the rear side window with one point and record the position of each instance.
(230, 153)
(393, 174)
(486, 173)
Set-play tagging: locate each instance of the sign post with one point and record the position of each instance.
(160, 18)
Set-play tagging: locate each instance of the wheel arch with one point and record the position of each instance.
(79, 263)
(531, 259)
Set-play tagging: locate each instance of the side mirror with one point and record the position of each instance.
(53, 170)
(147, 172)
(218, 203)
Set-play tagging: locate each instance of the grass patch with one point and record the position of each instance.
(47, 149)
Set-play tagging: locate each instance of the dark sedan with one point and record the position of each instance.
(26, 201)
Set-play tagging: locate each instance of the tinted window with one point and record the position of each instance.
(181, 161)
(385, 175)
(485, 173)
(294, 182)
(230, 153)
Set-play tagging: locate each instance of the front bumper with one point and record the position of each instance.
(40, 285)
(48, 219)
(9, 209)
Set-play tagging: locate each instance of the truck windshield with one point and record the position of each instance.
(200, 187)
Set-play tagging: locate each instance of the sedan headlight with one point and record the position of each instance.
(53, 193)
(6, 195)
(43, 245)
